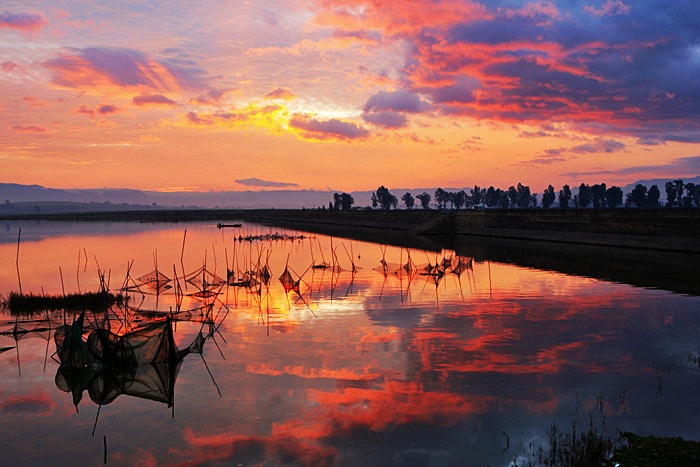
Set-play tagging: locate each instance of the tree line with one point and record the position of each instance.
(678, 194)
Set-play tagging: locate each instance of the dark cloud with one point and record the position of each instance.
(265, 183)
(397, 101)
(327, 129)
(105, 109)
(157, 99)
(597, 146)
(386, 119)
(633, 65)
(22, 21)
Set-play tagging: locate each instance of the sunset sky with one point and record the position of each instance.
(347, 94)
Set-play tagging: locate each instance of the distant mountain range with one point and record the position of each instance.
(18, 197)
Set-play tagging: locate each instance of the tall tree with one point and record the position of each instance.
(638, 196)
(513, 196)
(584, 195)
(441, 198)
(564, 197)
(477, 195)
(408, 200)
(653, 196)
(524, 198)
(459, 199)
(613, 196)
(424, 199)
(385, 199)
(598, 195)
(548, 197)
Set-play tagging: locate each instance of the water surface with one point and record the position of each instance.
(380, 365)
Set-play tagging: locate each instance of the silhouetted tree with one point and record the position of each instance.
(584, 195)
(653, 196)
(564, 197)
(477, 195)
(512, 196)
(524, 198)
(343, 201)
(408, 200)
(385, 199)
(424, 199)
(375, 201)
(459, 200)
(598, 195)
(441, 198)
(613, 196)
(638, 196)
(548, 197)
(674, 193)
(693, 195)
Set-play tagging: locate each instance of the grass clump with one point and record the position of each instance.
(19, 304)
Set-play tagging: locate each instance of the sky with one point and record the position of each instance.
(347, 95)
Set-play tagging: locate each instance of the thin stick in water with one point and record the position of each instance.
(19, 235)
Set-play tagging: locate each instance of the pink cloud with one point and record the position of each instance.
(22, 21)
(8, 66)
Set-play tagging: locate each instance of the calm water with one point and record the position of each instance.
(362, 368)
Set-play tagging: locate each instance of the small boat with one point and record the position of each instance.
(221, 226)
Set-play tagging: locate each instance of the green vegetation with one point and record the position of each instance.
(588, 448)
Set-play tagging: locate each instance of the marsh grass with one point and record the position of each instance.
(19, 304)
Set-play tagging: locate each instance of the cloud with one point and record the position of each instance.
(386, 109)
(8, 66)
(97, 67)
(683, 167)
(610, 7)
(327, 129)
(613, 62)
(386, 119)
(105, 109)
(152, 99)
(280, 93)
(265, 183)
(29, 128)
(397, 101)
(598, 146)
(22, 21)
(195, 118)
(213, 96)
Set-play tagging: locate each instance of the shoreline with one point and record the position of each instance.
(674, 230)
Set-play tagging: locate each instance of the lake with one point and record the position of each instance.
(372, 354)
